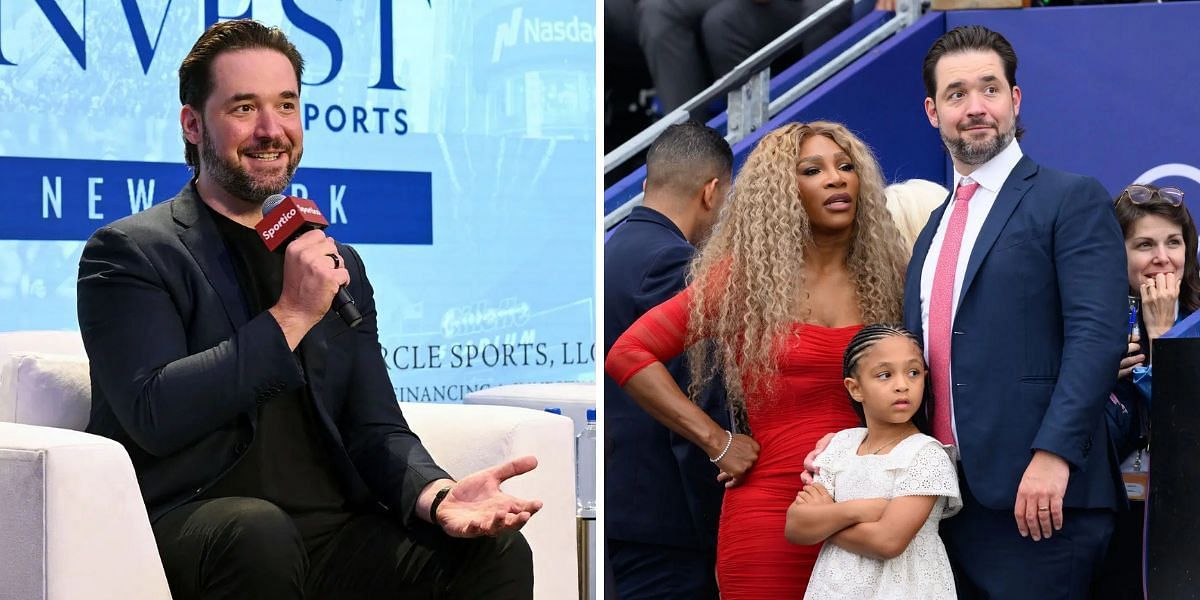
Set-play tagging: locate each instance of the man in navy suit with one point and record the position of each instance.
(1017, 285)
(662, 497)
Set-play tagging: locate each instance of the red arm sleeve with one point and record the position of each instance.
(659, 335)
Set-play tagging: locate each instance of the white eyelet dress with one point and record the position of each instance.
(918, 466)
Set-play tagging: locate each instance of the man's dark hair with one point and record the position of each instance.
(686, 156)
(195, 73)
(966, 39)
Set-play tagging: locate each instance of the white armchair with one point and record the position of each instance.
(72, 521)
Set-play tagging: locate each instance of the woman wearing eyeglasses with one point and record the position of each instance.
(1160, 248)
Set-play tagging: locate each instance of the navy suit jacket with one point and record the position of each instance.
(659, 488)
(1037, 336)
(179, 366)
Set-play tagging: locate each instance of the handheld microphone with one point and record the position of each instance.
(284, 219)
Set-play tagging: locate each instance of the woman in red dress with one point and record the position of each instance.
(804, 253)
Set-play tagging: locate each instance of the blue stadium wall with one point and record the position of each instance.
(1109, 91)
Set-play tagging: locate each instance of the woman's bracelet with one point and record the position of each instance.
(728, 445)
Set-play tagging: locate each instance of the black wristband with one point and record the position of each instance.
(437, 501)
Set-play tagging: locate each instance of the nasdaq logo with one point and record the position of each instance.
(536, 31)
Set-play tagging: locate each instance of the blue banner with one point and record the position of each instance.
(55, 199)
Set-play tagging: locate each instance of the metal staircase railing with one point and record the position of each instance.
(747, 88)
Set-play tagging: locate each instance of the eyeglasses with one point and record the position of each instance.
(1140, 194)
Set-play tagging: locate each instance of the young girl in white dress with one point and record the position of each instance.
(881, 489)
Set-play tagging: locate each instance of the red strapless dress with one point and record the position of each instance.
(806, 401)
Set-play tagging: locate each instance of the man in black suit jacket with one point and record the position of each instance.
(266, 437)
(662, 497)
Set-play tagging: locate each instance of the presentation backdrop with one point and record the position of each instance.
(452, 143)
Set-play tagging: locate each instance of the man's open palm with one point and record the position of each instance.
(476, 506)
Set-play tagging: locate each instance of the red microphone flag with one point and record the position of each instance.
(285, 219)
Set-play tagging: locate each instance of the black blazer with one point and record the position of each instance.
(178, 366)
(659, 487)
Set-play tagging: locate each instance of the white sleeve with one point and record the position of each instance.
(826, 478)
(931, 473)
(829, 461)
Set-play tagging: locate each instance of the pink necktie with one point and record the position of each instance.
(941, 308)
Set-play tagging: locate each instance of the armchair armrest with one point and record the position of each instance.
(74, 522)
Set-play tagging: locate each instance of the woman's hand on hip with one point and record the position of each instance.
(741, 456)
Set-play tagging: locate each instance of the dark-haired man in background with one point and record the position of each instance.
(265, 433)
(662, 499)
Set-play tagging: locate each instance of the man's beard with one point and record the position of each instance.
(237, 181)
(977, 153)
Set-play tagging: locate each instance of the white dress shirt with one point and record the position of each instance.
(991, 177)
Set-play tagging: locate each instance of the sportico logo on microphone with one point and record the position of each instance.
(283, 220)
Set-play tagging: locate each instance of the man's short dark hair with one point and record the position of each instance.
(195, 73)
(967, 39)
(686, 156)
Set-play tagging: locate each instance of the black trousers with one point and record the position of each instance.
(991, 560)
(229, 548)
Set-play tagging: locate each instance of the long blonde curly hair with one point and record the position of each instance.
(747, 280)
